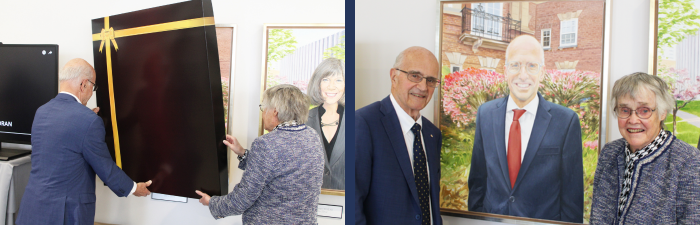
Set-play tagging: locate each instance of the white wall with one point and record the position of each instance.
(68, 24)
(407, 23)
(404, 23)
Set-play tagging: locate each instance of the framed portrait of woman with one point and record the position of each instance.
(312, 58)
(675, 51)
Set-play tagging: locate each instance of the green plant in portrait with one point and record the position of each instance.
(337, 51)
(677, 19)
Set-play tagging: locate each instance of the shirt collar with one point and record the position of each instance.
(405, 120)
(529, 108)
(322, 110)
(76, 98)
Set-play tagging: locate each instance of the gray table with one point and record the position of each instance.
(14, 175)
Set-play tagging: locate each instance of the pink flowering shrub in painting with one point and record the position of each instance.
(464, 91)
(301, 84)
(578, 91)
(683, 88)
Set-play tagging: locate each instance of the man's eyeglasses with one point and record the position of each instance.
(642, 112)
(94, 86)
(530, 67)
(417, 77)
(261, 107)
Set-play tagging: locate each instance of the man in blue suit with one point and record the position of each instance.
(527, 151)
(68, 149)
(397, 165)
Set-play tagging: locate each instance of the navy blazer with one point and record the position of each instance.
(68, 148)
(550, 181)
(385, 188)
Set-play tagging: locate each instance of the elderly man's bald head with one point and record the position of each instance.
(76, 69)
(78, 78)
(526, 41)
(416, 52)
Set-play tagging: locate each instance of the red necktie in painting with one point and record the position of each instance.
(420, 173)
(514, 147)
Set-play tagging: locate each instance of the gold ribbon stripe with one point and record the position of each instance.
(176, 25)
(108, 35)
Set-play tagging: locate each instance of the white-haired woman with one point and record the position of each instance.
(283, 168)
(648, 176)
(327, 90)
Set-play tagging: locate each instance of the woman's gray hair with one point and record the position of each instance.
(633, 85)
(329, 67)
(289, 101)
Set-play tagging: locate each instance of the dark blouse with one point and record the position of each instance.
(329, 144)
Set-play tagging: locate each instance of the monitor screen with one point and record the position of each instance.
(28, 79)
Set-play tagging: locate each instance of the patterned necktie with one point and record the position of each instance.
(514, 147)
(420, 172)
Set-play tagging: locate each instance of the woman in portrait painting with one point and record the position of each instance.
(327, 90)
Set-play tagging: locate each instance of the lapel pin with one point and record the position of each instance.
(431, 135)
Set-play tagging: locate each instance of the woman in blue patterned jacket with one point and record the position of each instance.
(648, 176)
(283, 168)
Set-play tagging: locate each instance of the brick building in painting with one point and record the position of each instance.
(477, 34)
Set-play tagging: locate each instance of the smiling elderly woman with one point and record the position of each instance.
(649, 176)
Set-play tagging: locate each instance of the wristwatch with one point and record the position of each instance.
(242, 157)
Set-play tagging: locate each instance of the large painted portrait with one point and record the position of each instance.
(473, 38)
(676, 48)
(312, 58)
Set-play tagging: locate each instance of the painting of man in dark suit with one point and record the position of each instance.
(527, 154)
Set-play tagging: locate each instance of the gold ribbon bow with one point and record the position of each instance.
(107, 35)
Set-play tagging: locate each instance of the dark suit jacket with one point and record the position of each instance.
(550, 181)
(334, 169)
(68, 148)
(385, 188)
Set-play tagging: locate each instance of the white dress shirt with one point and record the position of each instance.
(527, 121)
(133, 189)
(407, 123)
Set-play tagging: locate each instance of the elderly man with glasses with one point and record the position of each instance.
(68, 149)
(526, 159)
(397, 164)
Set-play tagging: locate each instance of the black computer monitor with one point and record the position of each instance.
(28, 79)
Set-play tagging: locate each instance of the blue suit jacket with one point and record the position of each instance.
(385, 188)
(68, 148)
(550, 181)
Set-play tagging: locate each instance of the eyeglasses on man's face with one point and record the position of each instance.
(642, 112)
(261, 108)
(417, 77)
(530, 67)
(94, 86)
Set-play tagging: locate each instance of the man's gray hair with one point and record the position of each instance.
(538, 45)
(329, 67)
(74, 72)
(634, 84)
(289, 101)
(399, 58)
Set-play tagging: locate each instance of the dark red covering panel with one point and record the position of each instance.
(166, 90)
